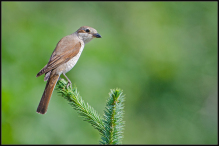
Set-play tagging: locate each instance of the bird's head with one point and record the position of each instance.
(87, 33)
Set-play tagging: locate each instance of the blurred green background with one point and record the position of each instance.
(162, 54)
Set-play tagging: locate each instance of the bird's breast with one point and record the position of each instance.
(71, 63)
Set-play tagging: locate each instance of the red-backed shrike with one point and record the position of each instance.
(62, 60)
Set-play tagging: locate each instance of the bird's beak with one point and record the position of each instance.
(97, 35)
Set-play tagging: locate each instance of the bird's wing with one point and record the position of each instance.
(66, 49)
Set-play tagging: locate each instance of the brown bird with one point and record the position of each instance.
(62, 60)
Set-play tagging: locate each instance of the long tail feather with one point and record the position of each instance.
(44, 102)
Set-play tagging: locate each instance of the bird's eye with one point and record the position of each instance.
(87, 30)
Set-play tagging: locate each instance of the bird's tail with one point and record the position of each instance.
(44, 102)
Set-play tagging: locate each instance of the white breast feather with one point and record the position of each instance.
(71, 63)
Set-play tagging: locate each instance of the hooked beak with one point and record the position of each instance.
(97, 35)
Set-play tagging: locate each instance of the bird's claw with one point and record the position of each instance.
(69, 84)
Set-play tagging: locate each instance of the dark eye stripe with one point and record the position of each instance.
(87, 30)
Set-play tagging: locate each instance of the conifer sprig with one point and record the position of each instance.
(83, 109)
(113, 116)
(112, 125)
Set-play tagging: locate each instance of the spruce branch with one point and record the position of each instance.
(113, 115)
(111, 126)
(84, 110)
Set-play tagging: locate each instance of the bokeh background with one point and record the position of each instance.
(162, 54)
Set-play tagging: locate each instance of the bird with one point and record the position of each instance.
(62, 60)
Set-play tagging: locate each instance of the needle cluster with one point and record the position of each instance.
(113, 118)
(111, 126)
